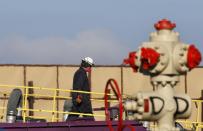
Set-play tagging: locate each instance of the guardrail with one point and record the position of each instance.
(54, 96)
(197, 124)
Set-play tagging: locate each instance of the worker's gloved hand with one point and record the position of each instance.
(79, 99)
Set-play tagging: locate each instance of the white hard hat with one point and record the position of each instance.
(88, 60)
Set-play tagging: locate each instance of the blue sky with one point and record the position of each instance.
(64, 31)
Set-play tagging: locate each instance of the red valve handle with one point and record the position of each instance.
(114, 85)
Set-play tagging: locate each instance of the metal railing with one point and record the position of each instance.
(197, 124)
(53, 95)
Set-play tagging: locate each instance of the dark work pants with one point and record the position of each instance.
(76, 117)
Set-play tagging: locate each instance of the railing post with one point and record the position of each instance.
(31, 100)
(25, 103)
(202, 105)
(54, 106)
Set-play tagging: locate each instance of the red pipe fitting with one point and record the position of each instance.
(164, 24)
(149, 58)
(131, 61)
(193, 57)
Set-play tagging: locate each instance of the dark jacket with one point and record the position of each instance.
(80, 82)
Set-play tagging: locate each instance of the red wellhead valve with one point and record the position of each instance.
(131, 61)
(193, 57)
(149, 58)
(164, 24)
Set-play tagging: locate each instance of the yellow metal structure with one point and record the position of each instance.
(24, 109)
(198, 124)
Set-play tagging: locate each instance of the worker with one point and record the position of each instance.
(81, 101)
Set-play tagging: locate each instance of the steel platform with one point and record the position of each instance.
(68, 126)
